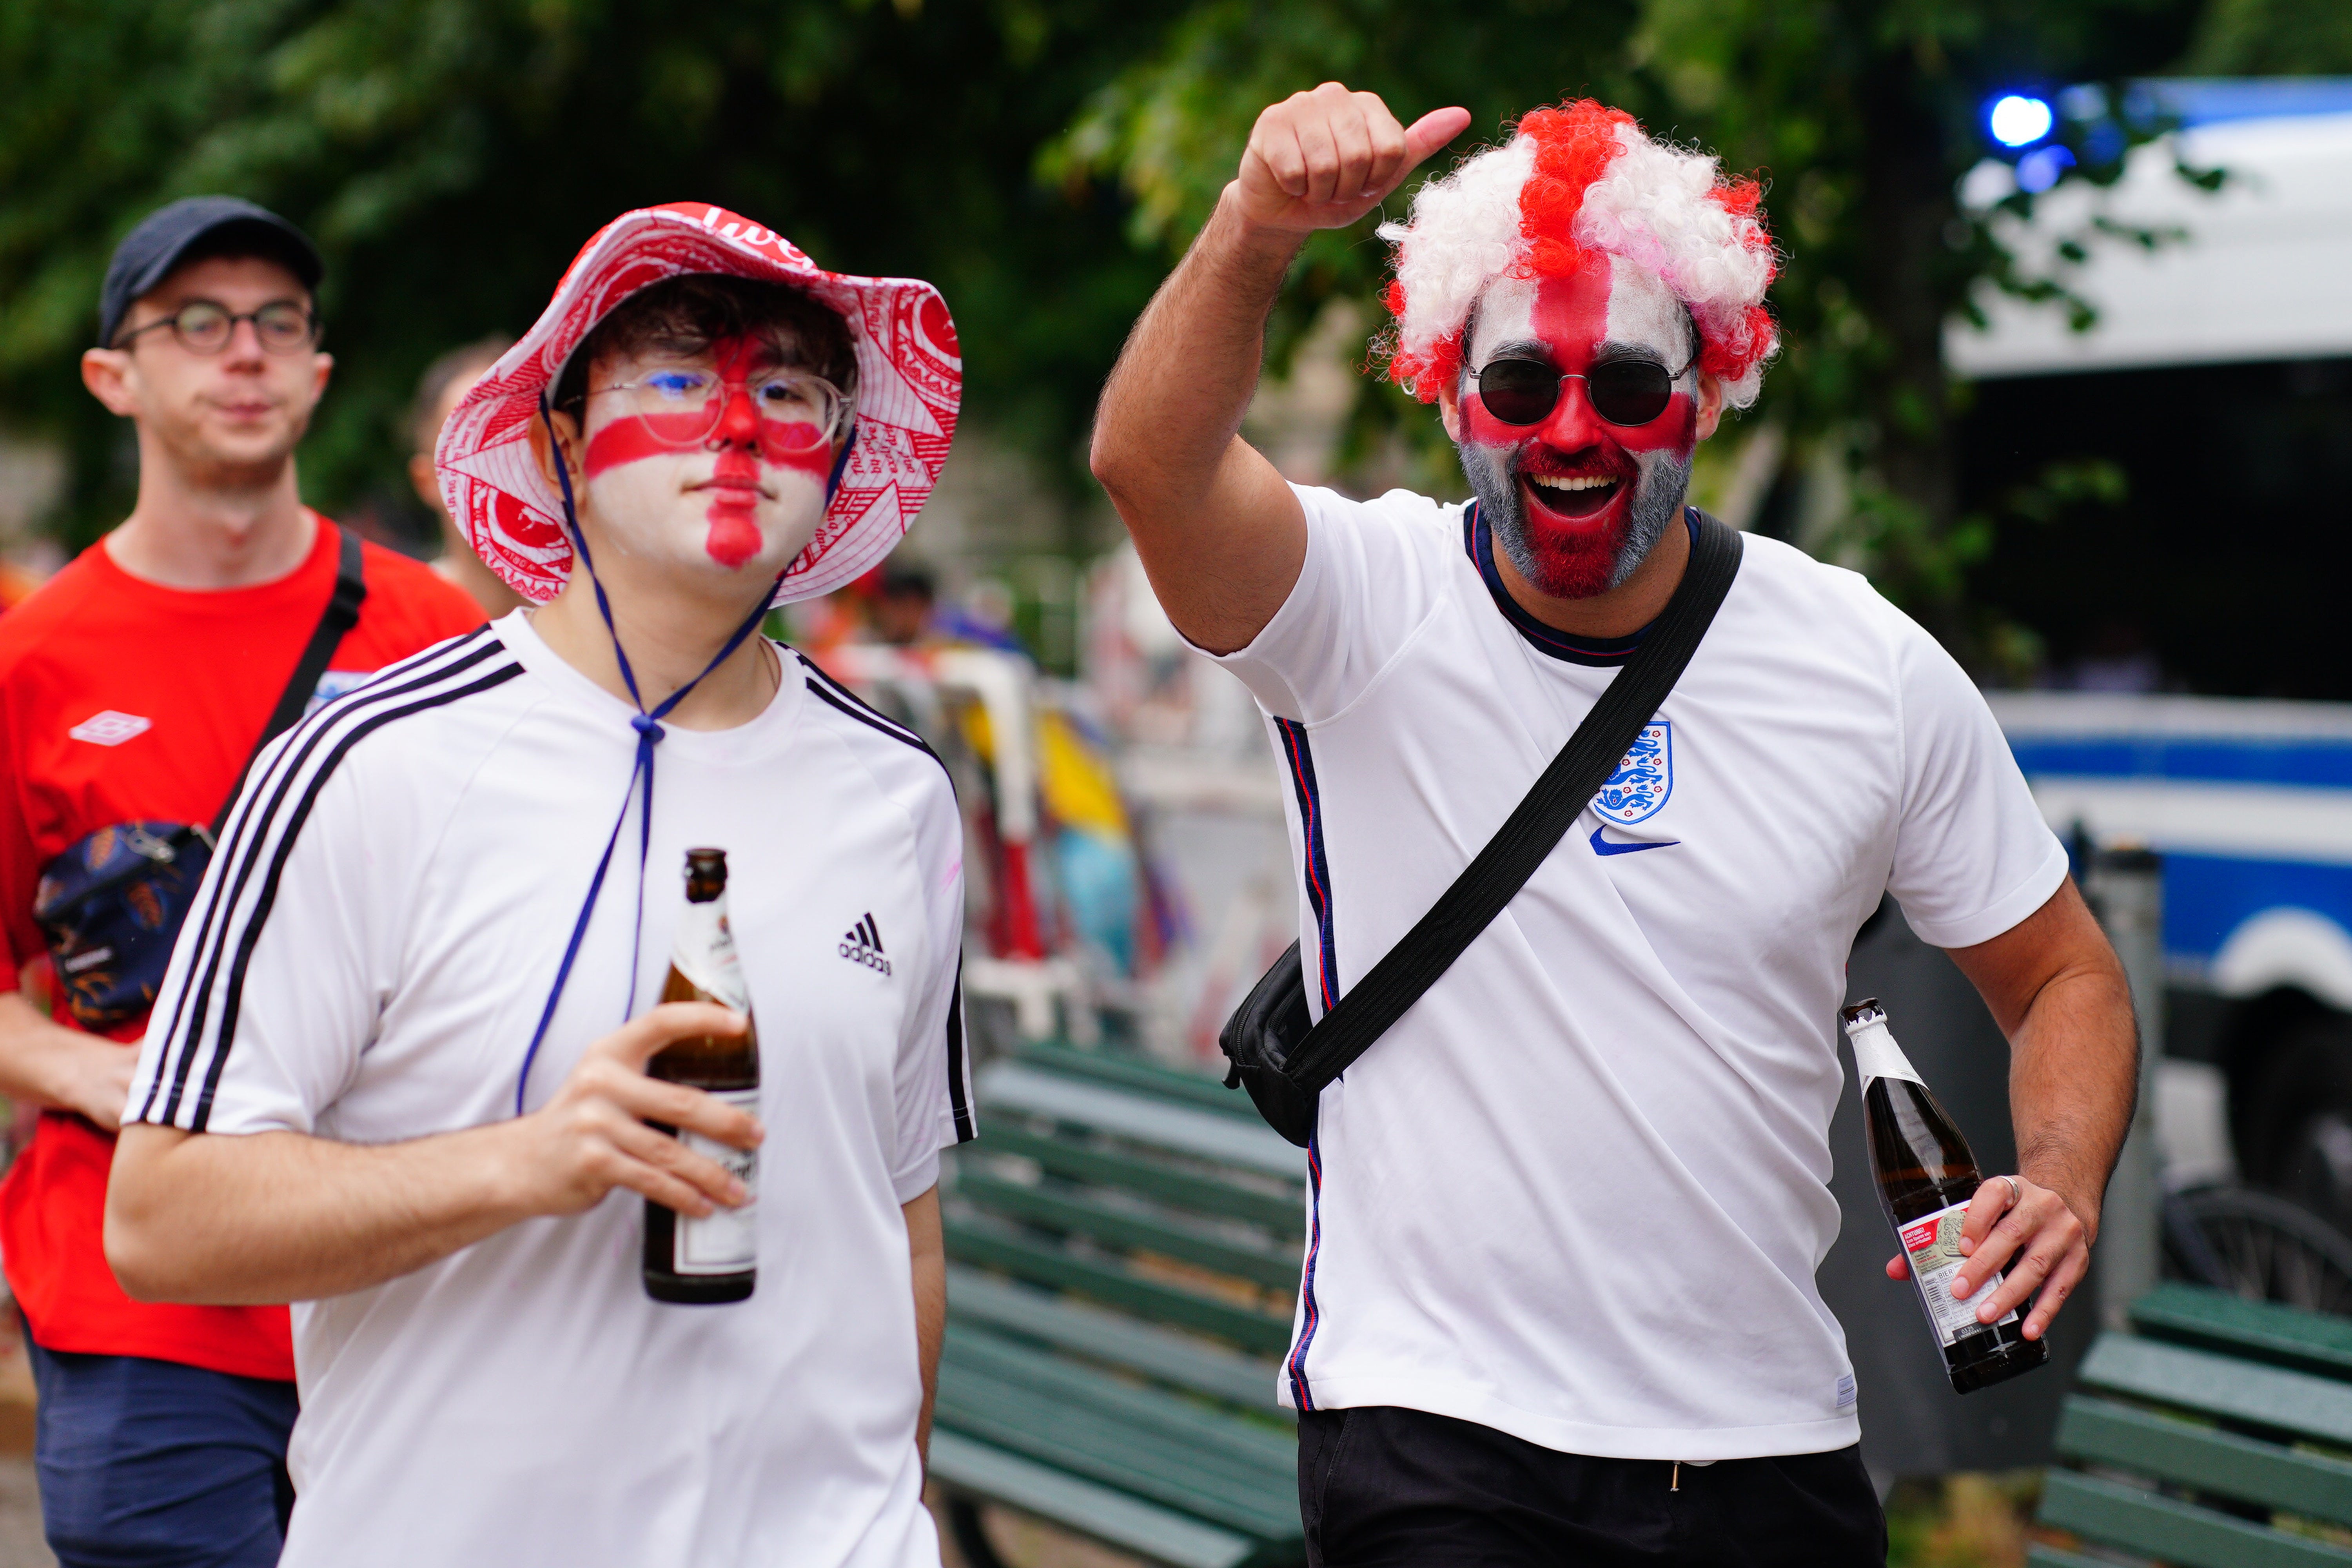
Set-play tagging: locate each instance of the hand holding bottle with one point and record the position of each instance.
(2032, 1224)
(593, 1137)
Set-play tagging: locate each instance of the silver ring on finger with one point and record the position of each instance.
(2016, 1193)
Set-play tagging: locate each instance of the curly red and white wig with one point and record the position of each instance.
(1572, 179)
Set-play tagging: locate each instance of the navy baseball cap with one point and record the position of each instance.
(221, 226)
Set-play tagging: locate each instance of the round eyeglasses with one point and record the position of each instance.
(1623, 392)
(680, 407)
(206, 326)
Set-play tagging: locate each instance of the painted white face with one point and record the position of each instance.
(1577, 499)
(1636, 311)
(738, 498)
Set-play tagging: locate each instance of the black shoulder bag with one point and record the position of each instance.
(110, 908)
(1284, 1058)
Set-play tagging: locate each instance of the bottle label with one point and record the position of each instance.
(1932, 1243)
(727, 1241)
(1876, 1055)
(704, 951)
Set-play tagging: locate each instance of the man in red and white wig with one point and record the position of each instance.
(1558, 1300)
(397, 1070)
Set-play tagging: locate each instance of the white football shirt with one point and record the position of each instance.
(1579, 1193)
(371, 951)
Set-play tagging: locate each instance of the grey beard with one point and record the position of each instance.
(1661, 480)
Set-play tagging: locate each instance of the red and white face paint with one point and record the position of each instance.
(1577, 502)
(741, 499)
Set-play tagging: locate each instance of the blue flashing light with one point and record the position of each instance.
(2017, 120)
(2040, 169)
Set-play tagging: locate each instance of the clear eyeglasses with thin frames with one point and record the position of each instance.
(206, 326)
(680, 405)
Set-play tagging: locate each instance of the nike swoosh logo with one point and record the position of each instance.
(1602, 847)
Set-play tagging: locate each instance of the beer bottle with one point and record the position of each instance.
(1926, 1179)
(716, 1258)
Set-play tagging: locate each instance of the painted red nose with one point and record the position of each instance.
(738, 422)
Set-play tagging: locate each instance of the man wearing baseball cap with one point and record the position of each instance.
(399, 1074)
(133, 688)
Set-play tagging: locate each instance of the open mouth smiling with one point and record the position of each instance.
(1573, 495)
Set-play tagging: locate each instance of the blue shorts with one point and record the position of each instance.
(149, 1464)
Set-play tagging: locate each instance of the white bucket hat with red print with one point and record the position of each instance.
(909, 383)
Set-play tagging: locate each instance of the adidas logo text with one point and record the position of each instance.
(863, 944)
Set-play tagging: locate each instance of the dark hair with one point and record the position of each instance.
(424, 414)
(691, 312)
(909, 579)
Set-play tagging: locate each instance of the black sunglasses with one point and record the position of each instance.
(1624, 391)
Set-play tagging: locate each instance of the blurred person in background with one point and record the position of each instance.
(134, 687)
(439, 390)
(902, 604)
(1560, 1301)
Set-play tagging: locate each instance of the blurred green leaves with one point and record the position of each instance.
(450, 155)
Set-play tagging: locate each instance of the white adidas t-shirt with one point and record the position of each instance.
(371, 951)
(1579, 1193)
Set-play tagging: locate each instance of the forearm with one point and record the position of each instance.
(43, 1063)
(221, 1219)
(2073, 1079)
(1174, 402)
(926, 1250)
(1219, 532)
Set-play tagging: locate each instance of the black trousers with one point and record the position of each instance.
(1386, 1487)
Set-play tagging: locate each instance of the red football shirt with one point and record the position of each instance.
(122, 700)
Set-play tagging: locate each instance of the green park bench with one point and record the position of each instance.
(2218, 1435)
(1123, 1245)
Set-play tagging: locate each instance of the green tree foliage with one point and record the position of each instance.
(2273, 38)
(450, 155)
(1861, 114)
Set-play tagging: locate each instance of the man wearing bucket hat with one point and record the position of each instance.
(396, 1076)
(133, 688)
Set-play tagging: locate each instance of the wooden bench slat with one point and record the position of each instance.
(2182, 1533)
(1071, 1210)
(1218, 1437)
(974, 1297)
(1197, 1089)
(2207, 1459)
(2259, 1331)
(1111, 1517)
(1088, 1443)
(2220, 1385)
(1021, 1087)
(1252, 1331)
(1284, 1213)
(2039, 1556)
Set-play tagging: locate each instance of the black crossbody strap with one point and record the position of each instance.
(1531, 832)
(342, 614)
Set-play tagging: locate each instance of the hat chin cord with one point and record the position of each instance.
(648, 726)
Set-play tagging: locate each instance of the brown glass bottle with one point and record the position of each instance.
(1926, 1177)
(715, 1259)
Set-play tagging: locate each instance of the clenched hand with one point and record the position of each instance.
(1324, 159)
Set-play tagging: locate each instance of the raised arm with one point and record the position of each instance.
(2058, 991)
(240, 1219)
(1220, 533)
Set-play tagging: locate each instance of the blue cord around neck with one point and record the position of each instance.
(648, 726)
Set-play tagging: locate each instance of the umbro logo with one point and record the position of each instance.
(110, 728)
(862, 943)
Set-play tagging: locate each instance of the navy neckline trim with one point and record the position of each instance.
(1478, 542)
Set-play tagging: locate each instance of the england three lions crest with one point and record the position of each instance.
(1642, 780)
